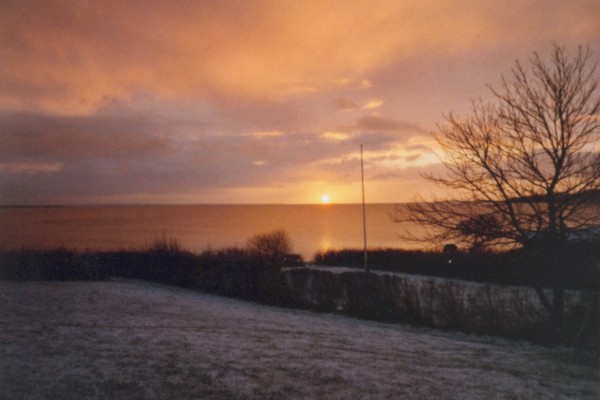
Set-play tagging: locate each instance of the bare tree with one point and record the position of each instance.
(271, 247)
(523, 171)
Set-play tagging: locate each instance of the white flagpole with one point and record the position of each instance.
(362, 179)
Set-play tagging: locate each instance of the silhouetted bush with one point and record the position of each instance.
(516, 267)
(231, 272)
(54, 265)
(481, 309)
(270, 248)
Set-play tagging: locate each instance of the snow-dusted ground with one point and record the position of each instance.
(136, 340)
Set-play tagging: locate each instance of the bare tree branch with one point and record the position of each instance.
(531, 159)
(523, 171)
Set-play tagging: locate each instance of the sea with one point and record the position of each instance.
(312, 228)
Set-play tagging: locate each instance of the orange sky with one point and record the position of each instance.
(249, 101)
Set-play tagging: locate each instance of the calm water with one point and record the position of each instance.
(196, 227)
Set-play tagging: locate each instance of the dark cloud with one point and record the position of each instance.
(344, 104)
(244, 117)
(378, 123)
(376, 140)
(34, 137)
(387, 176)
(102, 156)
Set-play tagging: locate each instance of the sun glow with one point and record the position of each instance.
(325, 199)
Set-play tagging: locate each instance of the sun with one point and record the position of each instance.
(325, 199)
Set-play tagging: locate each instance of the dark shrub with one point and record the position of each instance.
(56, 264)
(516, 267)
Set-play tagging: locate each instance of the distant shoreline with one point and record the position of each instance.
(194, 204)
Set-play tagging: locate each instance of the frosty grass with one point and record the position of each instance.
(136, 340)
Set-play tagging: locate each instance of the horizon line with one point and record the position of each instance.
(187, 204)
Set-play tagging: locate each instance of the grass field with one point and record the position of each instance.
(136, 340)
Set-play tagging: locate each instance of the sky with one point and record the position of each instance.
(251, 101)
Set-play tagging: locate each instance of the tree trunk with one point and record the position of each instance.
(557, 269)
(544, 299)
(556, 318)
(549, 260)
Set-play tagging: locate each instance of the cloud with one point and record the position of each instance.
(114, 99)
(30, 168)
(334, 136)
(46, 137)
(418, 147)
(387, 176)
(266, 134)
(371, 104)
(67, 57)
(349, 83)
(378, 123)
(55, 159)
(344, 104)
